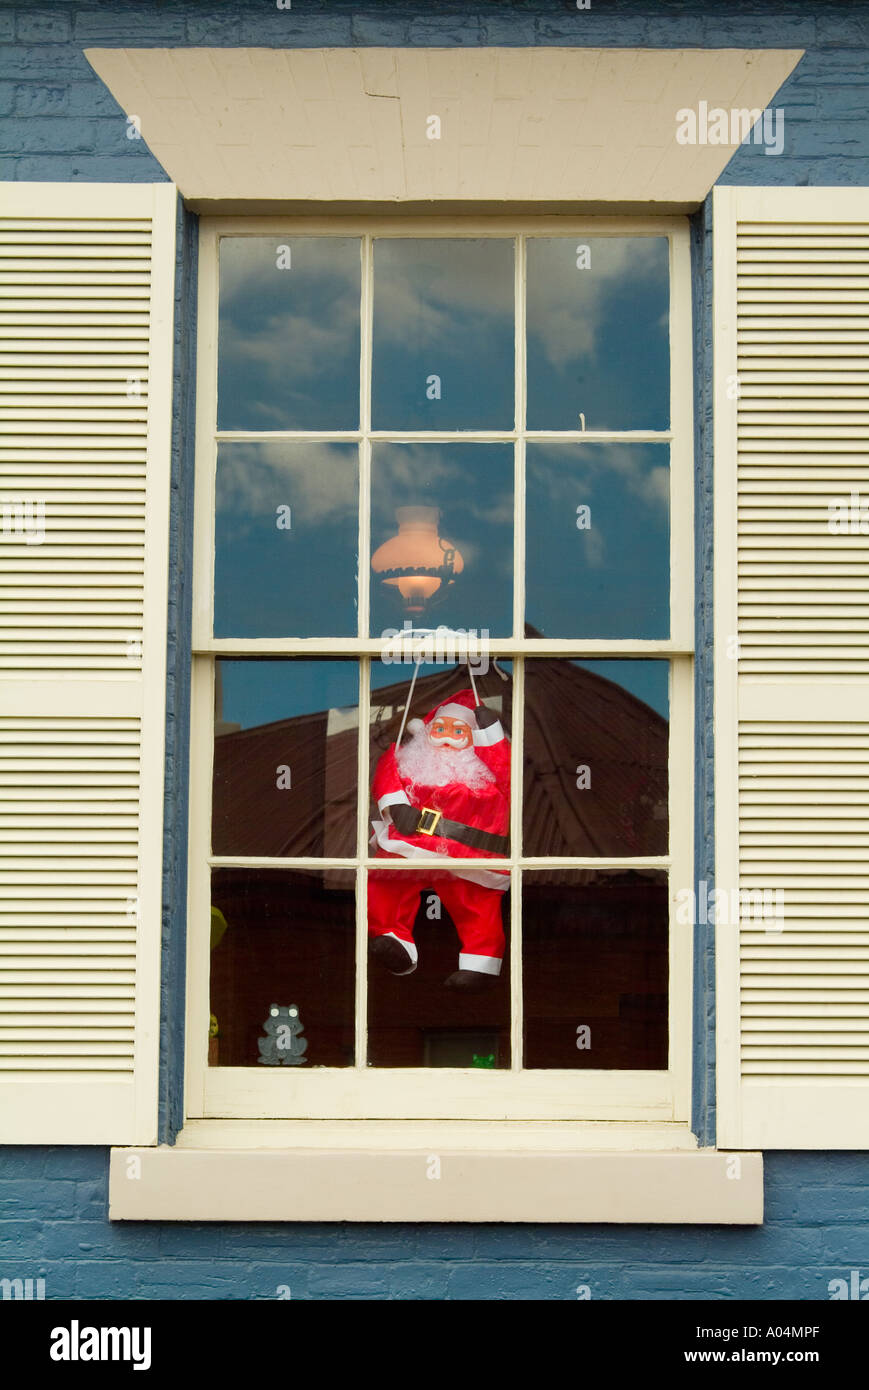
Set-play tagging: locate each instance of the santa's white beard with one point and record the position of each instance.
(427, 766)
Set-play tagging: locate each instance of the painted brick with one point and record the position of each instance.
(848, 30)
(110, 137)
(58, 1278)
(91, 1200)
(35, 60)
(840, 65)
(501, 1281)
(214, 32)
(98, 1279)
(736, 29)
(673, 31)
(19, 1241)
(347, 1281)
(96, 168)
(443, 1242)
(822, 1206)
(193, 1279)
(834, 137)
(85, 1163)
(441, 31)
(819, 1280)
(418, 1281)
(92, 26)
(388, 31)
(377, 1244)
(56, 136)
(26, 1198)
(196, 1241)
(507, 30)
(836, 171)
(7, 97)
(86, 1240)
(91, 99)
(848, 1244)
(7, 27)
(240, 1242)
(841, 103)
(266, 1279)
(585, 29)
(32, 99)
(44, 27)
(642, 1282)
(295, 29)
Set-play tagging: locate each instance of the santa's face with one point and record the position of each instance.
(444, 732)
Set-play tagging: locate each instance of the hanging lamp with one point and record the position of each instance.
(418, 565)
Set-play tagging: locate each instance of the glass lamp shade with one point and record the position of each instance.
(418, 564)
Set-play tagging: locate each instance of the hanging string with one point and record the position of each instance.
(417, 665)
(473, 685)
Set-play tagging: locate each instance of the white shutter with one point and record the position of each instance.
(87, 276)
(792, 713)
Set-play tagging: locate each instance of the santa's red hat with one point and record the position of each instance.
(459, 706)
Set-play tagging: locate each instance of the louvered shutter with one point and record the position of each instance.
(87, 274)
(792, 712)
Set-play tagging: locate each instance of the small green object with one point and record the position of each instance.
(487, 1060)
(219, 925)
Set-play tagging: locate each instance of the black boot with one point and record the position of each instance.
(470, 981)
(390, 953)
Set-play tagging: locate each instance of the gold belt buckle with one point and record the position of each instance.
(431, 827)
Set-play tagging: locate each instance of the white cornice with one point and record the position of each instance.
(270, 128)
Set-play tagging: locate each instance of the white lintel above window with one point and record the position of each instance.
(268, 128)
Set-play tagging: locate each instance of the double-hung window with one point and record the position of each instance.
(513, 398)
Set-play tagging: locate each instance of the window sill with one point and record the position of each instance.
(472, 1172)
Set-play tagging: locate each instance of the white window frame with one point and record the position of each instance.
(359, 1092)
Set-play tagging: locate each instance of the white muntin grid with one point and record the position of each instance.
(231, 1091)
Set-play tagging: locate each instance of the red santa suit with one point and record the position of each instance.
(465, 816)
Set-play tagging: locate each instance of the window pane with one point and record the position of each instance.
(598, 540)
(595, 969)
(595, 758)
(288, 349)
(598, 333)
(453, 922)
(443, 334)
(416, 1019)
(282, 940)
(285, 758)
(286, 540)
(447, 512)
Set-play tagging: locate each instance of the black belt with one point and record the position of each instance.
(411, 821)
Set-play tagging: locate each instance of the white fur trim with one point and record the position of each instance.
(486, 965)
(487, 878)
(453, 711)
(415, 726)
(412, 952)
(398, 798)
(484, 738)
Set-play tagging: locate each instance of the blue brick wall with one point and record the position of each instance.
(57, 122)
(703, 1022)
(53, 1226)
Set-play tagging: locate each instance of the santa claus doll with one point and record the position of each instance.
(444, 794)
